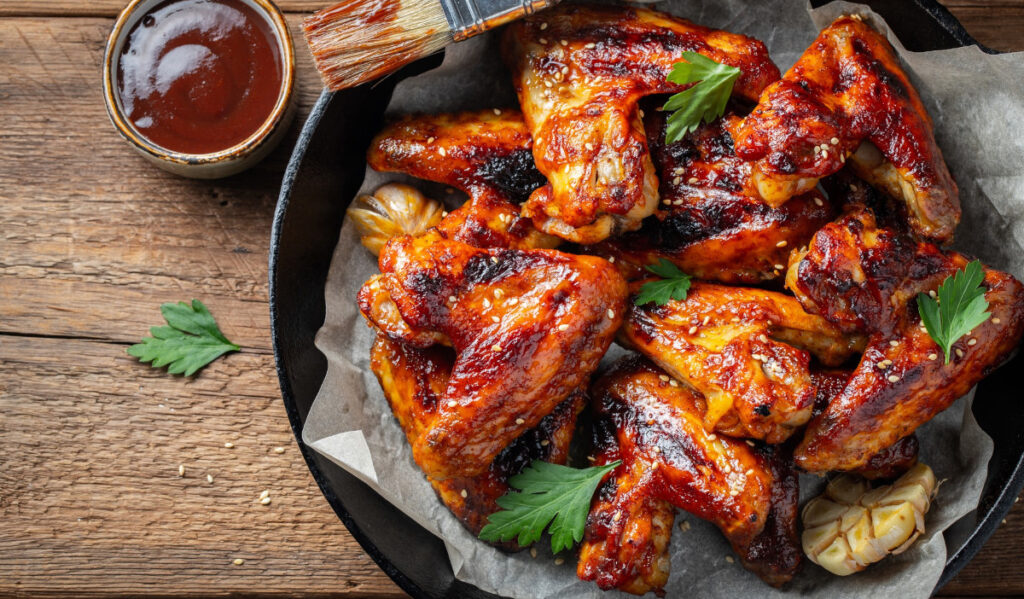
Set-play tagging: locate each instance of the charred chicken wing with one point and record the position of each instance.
(865, 279)
(579, 72)
(485, 154)
(655, 426)
(848, 97)
(528, 328)
(712, 224)
(414, 381)
(746, 350)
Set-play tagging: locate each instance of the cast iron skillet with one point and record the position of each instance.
(325, 172)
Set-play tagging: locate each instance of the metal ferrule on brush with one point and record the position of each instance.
(470, 17)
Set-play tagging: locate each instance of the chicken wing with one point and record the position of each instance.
(746, 350)
(528, 327)
(579, 72)
(485, 154)
(848, 97)
(655, 426)
(414, 381)
(864, 278)
(712, 224)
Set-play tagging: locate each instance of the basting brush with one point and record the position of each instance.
(356, 41)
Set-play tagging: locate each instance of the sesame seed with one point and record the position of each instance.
(430, 140)
(589, 146)
(893, 378)
(452, 298)
(834, 141)
(959, 353)
(824, 153)
(563, 327)
(209, 478)
(181, 470)
(496, 347)
(543, 26)
(547, 83)
(229, 445)
(452, 404)
(995, 321)
(590, 458)
(733, 493)
(279, 450)
(533, 552)
(265, 501)
(611, 313)
(497, 112)
(673, 383)
(617, 517)
(238, 561)
(749, 472)
(712, 436)
(678, 202)
(591, 45)
(545, 443)
(464, 494)
(486, 303)
(894, 343)
(611, 260)
(495, 319)
(559, 561)
(667, 202)
(729, 559)
(642, 116)
(817, 150)
(442, 151)
(853, 187)
(706, 320)
(779, 267)
(656, 450)
(693, 180)
(881, 366)
(818, 201)
(494, 259)
(933, 356)
(750, 443)
(663, 377)
(781, 244)
(692, 330)
(264, 494)
(564, 42)
(972, 342)
(543, 41)
(677, 180)
(762, 338)
(520, 421)
(513, 301)
(565, 70)
(931, 292)
(684, 526)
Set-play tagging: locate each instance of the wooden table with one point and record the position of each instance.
(92, 240)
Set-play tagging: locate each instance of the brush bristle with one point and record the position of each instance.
(356, 41)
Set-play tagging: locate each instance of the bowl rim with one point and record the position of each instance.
(278, 115)
(987, 518)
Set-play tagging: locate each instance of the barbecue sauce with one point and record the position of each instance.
(199, 76)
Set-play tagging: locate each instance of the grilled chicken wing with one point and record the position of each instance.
(414, 381)
(528, 327)
(848, 97)
(579, 72)
(866, 279)
(487, 155)
(746, 350)
(655, 426)
(712, 224)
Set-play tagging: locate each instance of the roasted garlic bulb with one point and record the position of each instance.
(851, 525)
(394, 209)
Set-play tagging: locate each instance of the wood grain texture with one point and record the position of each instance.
(92, 239)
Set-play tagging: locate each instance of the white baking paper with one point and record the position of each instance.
(977, 103)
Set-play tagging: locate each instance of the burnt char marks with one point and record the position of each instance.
(491, 267)
(515, 175)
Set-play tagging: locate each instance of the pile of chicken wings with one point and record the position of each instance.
(810, 216)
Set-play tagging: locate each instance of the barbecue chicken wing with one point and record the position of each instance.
(711, 222)
(414, 381)
(848, 97)
(864, 278)
(485, 154)
(655, 426)
(579, 72)
(528, 327)
(746, 350)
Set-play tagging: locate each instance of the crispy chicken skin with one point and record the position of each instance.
(484, 154)
(848, 97)
(746, 350)
(670, 459)
(414, 381)
(864, 278)
(579, 72)
(711, 222)
(528, 328)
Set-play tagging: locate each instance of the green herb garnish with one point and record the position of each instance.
(550, 493)
(192, 340)
(674, 284)
(704, 101)
(961, 306)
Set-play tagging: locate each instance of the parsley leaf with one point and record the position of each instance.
(674, 284)
(550, 493)
(704, 101)
(961, 306)
(191, 342)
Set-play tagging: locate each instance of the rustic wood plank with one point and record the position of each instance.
(92, 503)
(996, 570)
(84, 216)
(999, 27)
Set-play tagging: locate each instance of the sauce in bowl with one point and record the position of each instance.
(199, 76)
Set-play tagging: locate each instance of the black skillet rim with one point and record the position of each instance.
(968, 548)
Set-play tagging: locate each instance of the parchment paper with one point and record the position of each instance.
(977, 103)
